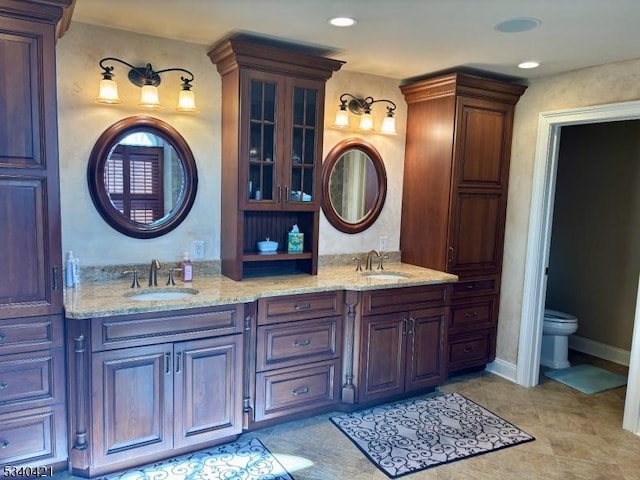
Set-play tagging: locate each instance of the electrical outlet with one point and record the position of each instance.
(198, 249)
(383, 243)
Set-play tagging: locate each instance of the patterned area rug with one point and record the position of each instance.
(248, 460)
(405, 437)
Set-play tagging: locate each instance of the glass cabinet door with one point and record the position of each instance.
(262, 141)
(304, 142)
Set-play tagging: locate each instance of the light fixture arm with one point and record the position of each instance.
(358, 106)
(146, 75)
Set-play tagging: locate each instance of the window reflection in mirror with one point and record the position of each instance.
(354, 185)
(143, 177)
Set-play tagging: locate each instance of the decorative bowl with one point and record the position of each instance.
(267, 245)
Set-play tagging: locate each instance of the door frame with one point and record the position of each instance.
(539, 241)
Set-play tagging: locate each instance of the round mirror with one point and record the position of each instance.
(354, 185)
(142, 177)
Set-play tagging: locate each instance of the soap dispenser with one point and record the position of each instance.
(187, 268)
(68, 273)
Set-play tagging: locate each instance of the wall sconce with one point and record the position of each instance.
(148, 79)
(362, 107)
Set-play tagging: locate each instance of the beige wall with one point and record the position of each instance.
(81, 121)
(593, 86)
(595, 255)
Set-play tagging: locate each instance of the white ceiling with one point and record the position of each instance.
(400, 38)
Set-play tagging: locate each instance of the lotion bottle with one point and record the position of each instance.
(187, 268)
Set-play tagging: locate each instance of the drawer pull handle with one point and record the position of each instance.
(472, 315)
(306, 306)
(303, 343)
(3, 386)
(468, 350)
(2, 336)
(471, 286)
(300, 391)
(178, 361)
(167, 357)
(4, 444)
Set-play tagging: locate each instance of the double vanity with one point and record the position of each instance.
(152, 376)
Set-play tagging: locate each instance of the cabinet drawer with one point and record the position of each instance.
(31, 380)
(154, 328)
(480, 286)
(472, 315)
(34, 437)
(291, 344)
(295, 390)
(402, 299)
(28, 334)
(470, 350)
(299, 307)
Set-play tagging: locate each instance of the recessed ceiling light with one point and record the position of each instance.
(342, 21)
(517, 25)
(529, 64)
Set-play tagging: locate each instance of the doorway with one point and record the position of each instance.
(538, 246)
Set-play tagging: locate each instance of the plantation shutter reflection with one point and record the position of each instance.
(133, 178)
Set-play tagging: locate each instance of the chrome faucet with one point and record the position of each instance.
(153, 273)
(369, 257)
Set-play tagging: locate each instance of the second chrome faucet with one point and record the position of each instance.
(153, 272)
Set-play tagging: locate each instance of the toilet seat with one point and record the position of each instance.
(555, 316)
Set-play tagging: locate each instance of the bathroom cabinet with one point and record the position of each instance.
(298, 354)
(458, 145)
(150, 386)
(272, 129)
(402, 335)
(32, 397)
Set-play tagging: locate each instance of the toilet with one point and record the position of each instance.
(556, 328)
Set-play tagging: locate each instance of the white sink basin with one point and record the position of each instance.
(387, 276)
(160, 295)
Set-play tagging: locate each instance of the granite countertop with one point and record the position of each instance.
(103, 299)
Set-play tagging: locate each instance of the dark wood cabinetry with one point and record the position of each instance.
(272, 125)
(298, 354)
(181, 387)
(402, 346)
(455, 195)
(32, 397)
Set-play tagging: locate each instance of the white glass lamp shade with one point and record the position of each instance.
(366, 121)
(149, 97)
(388, 125)
(108, 92)
(342, 118)
(186, 101)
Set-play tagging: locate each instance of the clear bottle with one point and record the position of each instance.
(187, 268)
(68, 273)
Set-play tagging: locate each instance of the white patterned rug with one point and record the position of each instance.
(408, 436)
(247, 460)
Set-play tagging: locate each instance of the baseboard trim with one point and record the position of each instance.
(503, 369)
(600, 350)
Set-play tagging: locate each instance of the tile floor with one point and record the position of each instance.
(578, 436)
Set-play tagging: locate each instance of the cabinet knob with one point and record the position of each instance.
(472, 315)
(2, 336)
(3, 385)
(4, 444)
(468, 350)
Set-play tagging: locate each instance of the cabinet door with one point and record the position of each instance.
(208, 389)
(261, 154)
(383, 356)
(29, 192)
(132, 403)
(303, 143)
(477, 233)
(425, 363)
(483, 143)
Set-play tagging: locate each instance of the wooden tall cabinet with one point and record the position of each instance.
(272, 125)
(454, 201)
(32, 394)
